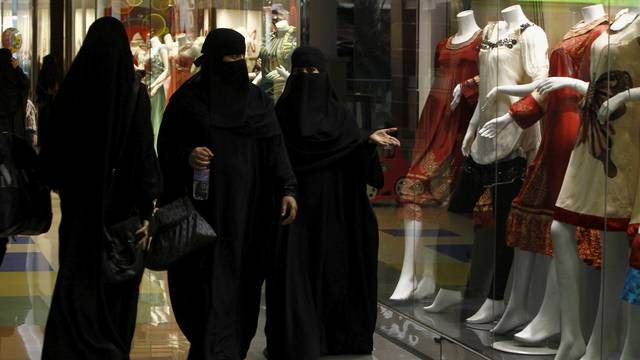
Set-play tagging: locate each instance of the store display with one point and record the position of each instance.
(529, 226)
(519, 56)
(437, 159)
(275, 57)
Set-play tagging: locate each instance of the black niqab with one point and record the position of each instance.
(318, 130)
(93, 130)
(226, 86)
(94, 95)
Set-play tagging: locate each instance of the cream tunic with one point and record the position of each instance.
(518, 58)
(602, 185)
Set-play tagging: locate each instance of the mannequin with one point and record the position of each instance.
(172, 49)
(526, 54)
(138, 50)
(158, 73)
(276, 57)
(550, 163)
(615, 51)
(451, 66)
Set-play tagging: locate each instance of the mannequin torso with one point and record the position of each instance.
(467, 27)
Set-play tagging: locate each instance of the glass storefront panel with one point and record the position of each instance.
(467, 246)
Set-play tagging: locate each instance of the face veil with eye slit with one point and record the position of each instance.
(317, 128)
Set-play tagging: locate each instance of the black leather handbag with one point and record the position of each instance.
(122, 257)
(177, 229)
(25, 200)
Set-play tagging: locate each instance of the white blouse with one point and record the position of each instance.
(516, 58)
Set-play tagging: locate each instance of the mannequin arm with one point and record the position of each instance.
(512, 90)
(165, 73)
(492, 128)
(616, 101)
(470, 135)
(555, 83)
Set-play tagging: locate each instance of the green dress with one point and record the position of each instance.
(158, 100)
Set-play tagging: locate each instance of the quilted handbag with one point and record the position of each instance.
(177, 229)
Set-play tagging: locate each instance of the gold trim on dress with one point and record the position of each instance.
(578, 30)
(451, 46)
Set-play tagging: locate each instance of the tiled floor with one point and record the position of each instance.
(27, 277)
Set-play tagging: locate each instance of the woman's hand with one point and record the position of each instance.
(290, 207)
(382, 138)
(200, 158)
(142, 235)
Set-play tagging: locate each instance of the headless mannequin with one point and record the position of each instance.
(546, 323)
(467, 27)
(603, 341)
(138, 50)
(280, 73)
(156, 47)
(491, 309)
(172, 48)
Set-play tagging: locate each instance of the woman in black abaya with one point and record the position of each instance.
(219, 120)
(321, 293)
(14, 90)
(96, 117)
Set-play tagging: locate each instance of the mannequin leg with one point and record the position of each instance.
(444, 299)
(406, 284)
(615, 255)
(547, 322)
(572, 345)
(502, 255)
(631, 350)
(516, 314)
(427, 286)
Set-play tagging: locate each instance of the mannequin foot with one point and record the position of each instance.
(426, 287)
(571, 349)
(538, 330)
(490, 311)
(512, 319)
(404, 289)
(445, 299)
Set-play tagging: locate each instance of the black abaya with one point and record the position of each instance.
(322, 289)
(215, 293)
(89, 318)
(14, 90)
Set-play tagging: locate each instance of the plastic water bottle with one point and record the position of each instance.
(201, 184)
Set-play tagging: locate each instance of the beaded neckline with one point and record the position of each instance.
(509, 42)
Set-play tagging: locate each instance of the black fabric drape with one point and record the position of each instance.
(90, 124)
(215, 293)
(322, 286)
(318, 129)
(14, 91)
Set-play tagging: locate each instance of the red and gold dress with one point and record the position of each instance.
(532, 211)
(437, 156)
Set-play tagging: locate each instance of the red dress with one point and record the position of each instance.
(529, 225)
(437, 156)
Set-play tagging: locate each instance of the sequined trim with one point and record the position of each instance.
(509, 42)
(631, 292)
